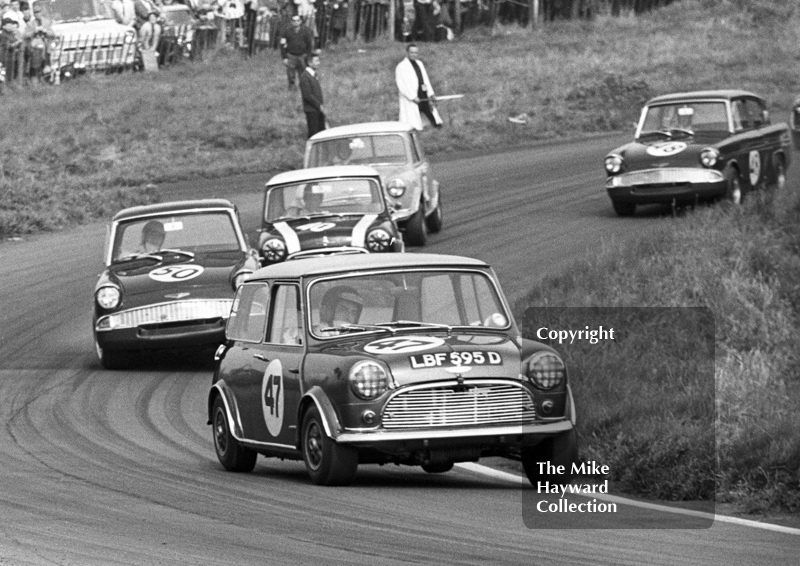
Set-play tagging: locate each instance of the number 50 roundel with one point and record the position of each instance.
(272, 397)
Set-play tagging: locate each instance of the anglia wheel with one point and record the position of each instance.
(438, 468)
(111, 359)
(561, 450)
(231, 454)
(733, 186)
(623, 208)
(327, 462)
(780, 173)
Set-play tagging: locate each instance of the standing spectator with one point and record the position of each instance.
(10, 48)
(15, 13)
(416, 92)
(124, 12)
(38, 35)
(424, 20)
(297, 43)
(338, 20)
(143, 9)
(149, 36)
(311, 92)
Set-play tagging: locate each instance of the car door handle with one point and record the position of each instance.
(294, 370)
(261, 357)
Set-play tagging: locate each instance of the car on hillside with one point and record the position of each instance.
(326, 210)
(409, 359)
(171, 271)
(394, 149)
(698, 146)
(88, 38)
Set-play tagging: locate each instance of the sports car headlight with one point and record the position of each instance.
(274, 249)
(613, 163)
(379, 240)
(396, 188)
(546, 370)
(368, 379)
(108, 297)
(240, 278)
(709, 157)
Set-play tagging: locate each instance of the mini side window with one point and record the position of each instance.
(285, 325)
(248, 319)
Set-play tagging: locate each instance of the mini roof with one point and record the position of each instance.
(317, 173)
(327, 265)
(361, 129)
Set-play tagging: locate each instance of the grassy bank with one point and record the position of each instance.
(82, 151)
(106, 138)
(646, 399)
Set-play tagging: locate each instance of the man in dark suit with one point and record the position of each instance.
(311, 92)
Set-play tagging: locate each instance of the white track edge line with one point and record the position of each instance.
(514, 478)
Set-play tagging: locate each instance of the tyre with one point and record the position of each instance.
(327, 462)
(780, 173)
(623, 208)
(112, 359)
(561, 450)
(231, 454)
(417, 228)
(733, 186)
(438, 468)
(434, 219)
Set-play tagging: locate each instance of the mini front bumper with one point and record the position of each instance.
(486, 436)
(666, 185)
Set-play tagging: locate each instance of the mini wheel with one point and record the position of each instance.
(561, 450)
(231, 454)
(327, 462)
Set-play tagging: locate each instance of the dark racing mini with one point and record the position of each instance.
(410, 359)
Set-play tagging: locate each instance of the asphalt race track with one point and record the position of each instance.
(103, 468)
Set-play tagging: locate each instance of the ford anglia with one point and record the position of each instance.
(698, 146)
(170, 276)
(410, 359)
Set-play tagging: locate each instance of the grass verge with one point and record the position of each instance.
(106, 138)
(643, 405)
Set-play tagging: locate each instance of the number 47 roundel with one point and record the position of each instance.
(272, 397)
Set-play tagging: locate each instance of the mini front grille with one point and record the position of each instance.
(200, 309)
(477, 405)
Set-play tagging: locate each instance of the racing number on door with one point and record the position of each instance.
(272, 396)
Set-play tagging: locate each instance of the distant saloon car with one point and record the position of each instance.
(698, 146)
(326, 210)
(385, 358)
(171, 273)
(394, 149)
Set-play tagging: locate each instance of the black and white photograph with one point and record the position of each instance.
(394, 282)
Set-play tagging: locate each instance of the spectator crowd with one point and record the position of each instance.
(30, 49)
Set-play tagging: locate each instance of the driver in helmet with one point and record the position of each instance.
(340, 305)
(153, 235)
(312, 198)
